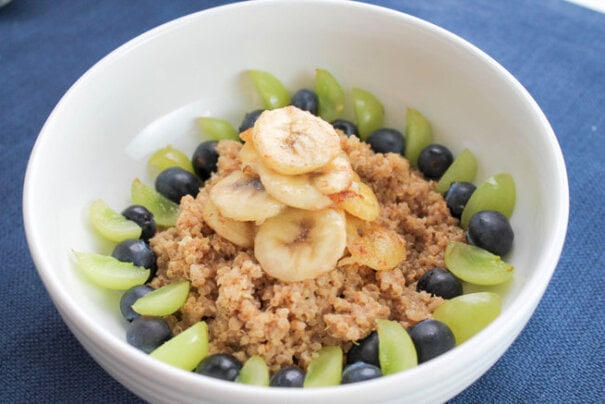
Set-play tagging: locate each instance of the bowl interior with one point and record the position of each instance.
(144, 95)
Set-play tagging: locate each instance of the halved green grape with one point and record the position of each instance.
(107, 272)
(167, 157)
(325, 369)
(418, 135)
(495, 193)
(463, 169)
(254, 372)
(476, 265)
(164, 210)
(272, 91)
(217, 129)
(396, 351)
(369, 112)
(163, 301)
(466, 315)
(111, 224)
(330, 95)
(186, 350)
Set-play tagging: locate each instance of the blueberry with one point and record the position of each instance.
(143, 217)
(148, 333)
(387, 140)
(128, 299)
(306, 100)
(220, 366)
(434, 160)
(138, 252)
(360, 371)
(490, 230)
(431, 338)
(457, 196)
(174, 183)
(347, 127)
(204, 159)
(249, 119)
(291, 376)
(366, 350)
(440, 282)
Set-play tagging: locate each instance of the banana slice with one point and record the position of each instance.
(334, 177)
(291, 141)
(372, 245)
(297, 244)
(243, 198)
(248, 157)
(359, 200)
(239, 233)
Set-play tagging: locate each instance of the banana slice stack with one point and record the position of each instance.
(298, 202)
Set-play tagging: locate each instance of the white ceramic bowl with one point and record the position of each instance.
(143, 95)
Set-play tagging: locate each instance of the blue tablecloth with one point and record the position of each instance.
(556, 49)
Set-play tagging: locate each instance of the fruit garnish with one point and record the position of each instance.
(217, 129)
(110, 224)
(163, 301)
(369, 112)
(434, 160)
(466, 315)
(396, 350)
(164, 210)
(495, 193)
(148, 333)
(463, 169)
(386, 140)
(254, 372)
(107, 272)
(334, 177)
(325, 369)
(167, 157)
(220, 366)
(330, 95)
(306, 100)
(239, 233)
(186, 350)
(476, 265)
(359, 200)
(418, 135)
(272, 91)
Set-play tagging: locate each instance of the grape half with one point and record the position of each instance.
(331, 97)
(186, 350)
(495, 193)
(396, 350)
(463, 169)
(476, 265)
(254, 372)
(164, 210)
(466, 315)
(369, 112)
(217, 129)
(273, 93)
(163, 301)
(325, 369)
(167, 157)
(418, 135)
(112, 225)
(107, 272)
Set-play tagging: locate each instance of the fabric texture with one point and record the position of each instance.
(554, 48)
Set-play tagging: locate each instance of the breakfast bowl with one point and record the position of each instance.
(147, 94)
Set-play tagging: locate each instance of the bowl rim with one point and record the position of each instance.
(517, 312)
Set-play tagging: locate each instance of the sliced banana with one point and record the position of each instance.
(291, 141)
(297, 244)
(243, 198)
(334, 177)
(359, 200)
(372, 245)
(239, 233)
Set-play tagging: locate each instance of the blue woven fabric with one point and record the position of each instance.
(555, 49)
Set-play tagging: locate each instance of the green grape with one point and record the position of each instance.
(272, 91)
(396, 351)
(163, 301)
(254, 372)
(369, 112)
(476, 265)
(418, 135)
(186, 350)
(217, 129)
(495, 193)
(112, 225)
(108, 272)
(463, 169)
(164, 210)
(330, 95)
(466, 315)
(326, 369)
(167, 157)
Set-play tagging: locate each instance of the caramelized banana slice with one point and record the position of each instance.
(359, 200)
(334, 177)
(239, 233)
